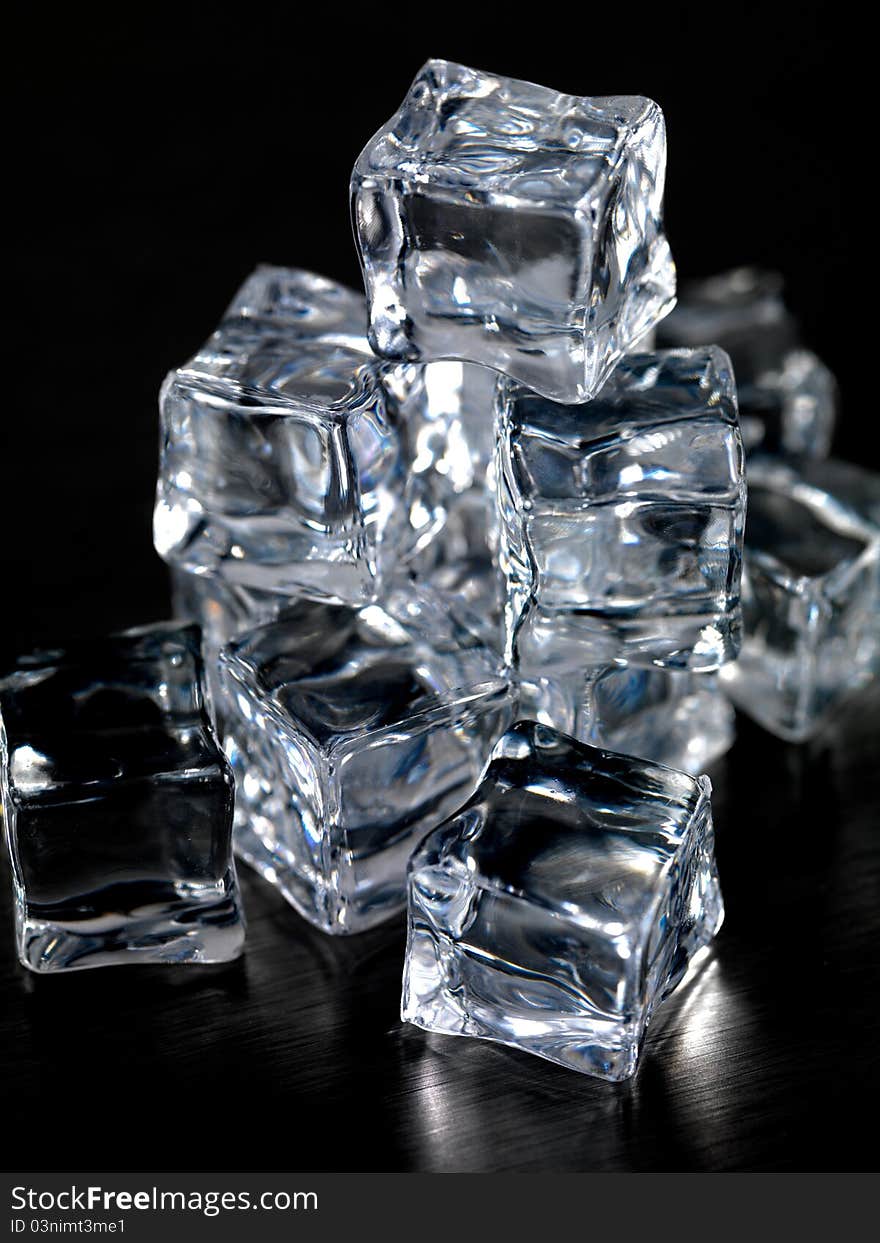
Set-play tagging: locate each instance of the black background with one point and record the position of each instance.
(157, 158)
(161, 156)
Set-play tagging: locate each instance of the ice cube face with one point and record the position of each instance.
(451, 421)
(501, 223)
(352, 733)
(791, 407)
(559, 906)
(295, 304)
(452, 410)
(284, 462)
(811, 586)
(460, 563)
(787, 396)
(118, 805)
(622, 519)
(223, 611)
(446, 411)
(556, 702)
(676, 718)
(680, 719)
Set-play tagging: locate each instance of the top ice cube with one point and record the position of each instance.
(501, 223)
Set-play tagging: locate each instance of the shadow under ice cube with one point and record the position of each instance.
(622, 518)
(502, 223)
(118, 805)
(352, 733)
(811, 604)
(562, 903)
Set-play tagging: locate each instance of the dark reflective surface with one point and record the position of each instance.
(169, 195)
(764, 1061)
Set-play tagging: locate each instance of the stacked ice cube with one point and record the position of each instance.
(811, 580)
(478, 497)
(466, 556)
(406, 521)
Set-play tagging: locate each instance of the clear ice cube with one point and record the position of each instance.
(284, 462)
(787, 396)
(118, 805)
(294, 304)
(461, 563)
(560, 905)
(451, 423)
(452, 410)
(680, 719)
(353, 732)
(810, 593)
(556, 702)
(502, 223)
(676, 718)
(223, 611)
(622, 519)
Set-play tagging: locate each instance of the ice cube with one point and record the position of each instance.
(556, 702)
(285, 464)
(850, 485)
(451, 421)
(295, 305)
(452, 411)
(622, 518)
(787, 396)
(811, 585)
(502, 223)
(118, 805)
(676, 718)
(223, 611)
(353, 732)
(461, 563)
(562, 903)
